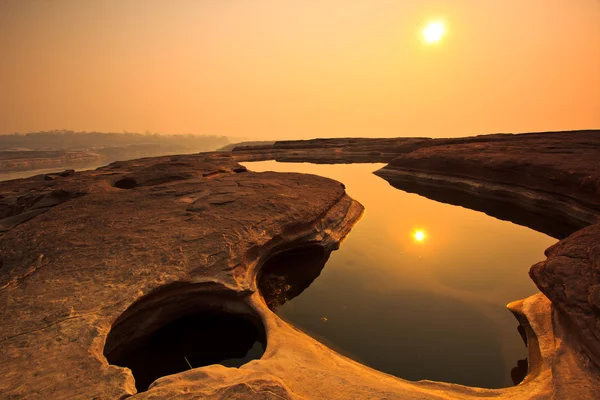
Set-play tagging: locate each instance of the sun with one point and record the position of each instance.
(419, 235)
(434, 31)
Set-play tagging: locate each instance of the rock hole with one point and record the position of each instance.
(126, 183)
(164, 335)
(287, 274)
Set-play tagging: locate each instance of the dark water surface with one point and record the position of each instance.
(419, 309)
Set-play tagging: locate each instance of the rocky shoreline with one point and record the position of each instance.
(12, 161)
(92, 262)
(551, 178)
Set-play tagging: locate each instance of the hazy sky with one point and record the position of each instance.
(299, 68)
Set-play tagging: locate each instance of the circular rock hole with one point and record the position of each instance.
(126, 183)
(165, 336)
(287, 274)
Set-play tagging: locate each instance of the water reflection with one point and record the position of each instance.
(552, 223)
(518, 373)
(431, 309)
(287, 274)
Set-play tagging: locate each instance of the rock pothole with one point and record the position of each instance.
(287, 274)
(126, 183)
(177, 329)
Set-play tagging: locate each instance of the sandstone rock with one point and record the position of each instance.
(68, 274)
(371, 150)
(570, 278)
(565, 163)
(549, 182)
(118, 253)
(16, 209)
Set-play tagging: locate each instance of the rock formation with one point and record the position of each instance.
(554, 176)
(92, 264)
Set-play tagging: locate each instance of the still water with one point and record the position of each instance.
(7, 176)
(419, 288)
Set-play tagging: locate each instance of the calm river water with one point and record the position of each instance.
(7, 176)
(419, 288)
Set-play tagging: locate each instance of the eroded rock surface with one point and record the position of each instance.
(69, 273)
(564, 163)
(377, 150)
(547, 181)
(570, 278)
(130, 247)
(551, 177)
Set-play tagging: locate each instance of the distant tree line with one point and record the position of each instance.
(70, 140)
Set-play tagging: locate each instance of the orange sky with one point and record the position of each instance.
(270, 69)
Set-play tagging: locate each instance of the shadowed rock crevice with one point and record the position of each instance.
(287, 274)
(178, 329)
